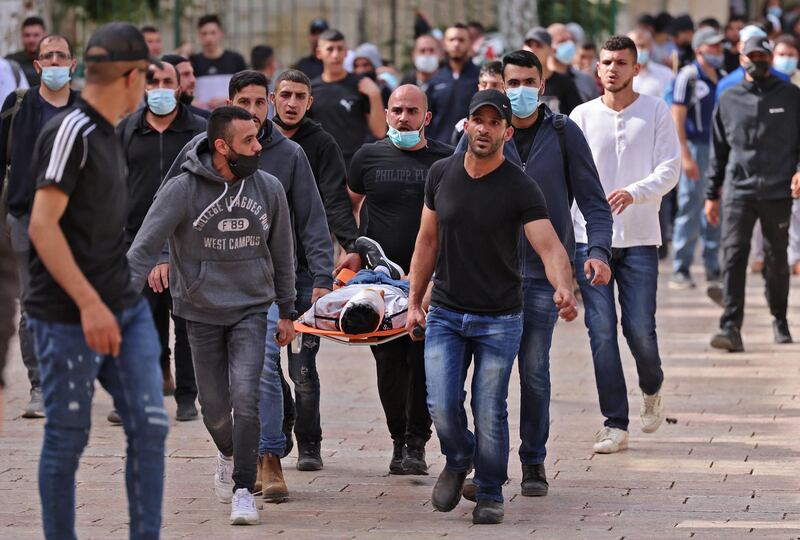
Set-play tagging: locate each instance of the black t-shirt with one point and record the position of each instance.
(342, 111)
(560, 93)
(310, 65)
(79, 153)
(229, 63)
(393, 181)
(523, 138)
(480, 225)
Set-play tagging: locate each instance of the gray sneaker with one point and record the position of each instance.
(681, 281)
(35, 407)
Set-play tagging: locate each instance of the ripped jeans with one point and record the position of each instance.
(69, 369)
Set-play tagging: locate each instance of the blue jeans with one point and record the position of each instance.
(452, 339)
(635, 271)
(302, 371)
(69, 369)
(227, 361)
(539, 319)
(690, 223)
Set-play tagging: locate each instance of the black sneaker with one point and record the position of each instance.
(186, 412)
(780, 329)
(728, 339)
(534, 481)
(414, 461)
(308, 457)
(488, 513)
(373, 257)
(447, 491)
(396, 464)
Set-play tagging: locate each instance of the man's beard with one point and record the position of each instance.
(620, 86)
(185, 98)
(493, 148)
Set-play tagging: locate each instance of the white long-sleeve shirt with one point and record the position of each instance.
(635, 149)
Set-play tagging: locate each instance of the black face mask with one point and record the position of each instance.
(758, 70)
(288, 127)
(243, 166)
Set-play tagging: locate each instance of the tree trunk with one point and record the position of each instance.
(515, 18)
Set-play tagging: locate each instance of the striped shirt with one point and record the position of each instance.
(79, 154)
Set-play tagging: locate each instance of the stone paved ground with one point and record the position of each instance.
(728, 468)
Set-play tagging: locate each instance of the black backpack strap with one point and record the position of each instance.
(11, 113)
(560, 124)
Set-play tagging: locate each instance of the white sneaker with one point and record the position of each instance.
(243, 508)
(652, 412)
(610, 440)
(223, 479)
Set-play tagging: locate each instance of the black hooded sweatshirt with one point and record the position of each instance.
(327, 164)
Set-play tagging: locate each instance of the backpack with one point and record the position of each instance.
(560, 124)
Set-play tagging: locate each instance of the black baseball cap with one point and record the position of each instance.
(318, 26)
(117, 42)
(492, 97)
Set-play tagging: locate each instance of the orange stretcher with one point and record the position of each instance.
(374, 338)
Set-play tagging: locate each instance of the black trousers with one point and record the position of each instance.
(161, 305)
(401, 386)
(738, 219)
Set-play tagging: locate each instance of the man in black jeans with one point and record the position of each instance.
(151, 139)
(390, 175)
(757, 127)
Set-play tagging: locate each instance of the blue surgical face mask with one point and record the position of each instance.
(161, 101)
(785, 64)
(714, 60)
(524, 100)
(565, 52)
(775, 11)
(642, 57)
(405, 139)
(55, 77)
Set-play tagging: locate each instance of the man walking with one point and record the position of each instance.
(151, 138)
(24, 114)
(754, 164)
(88, 322)
(31, 33)
(476, 303)
(390, 176)
(232, 254)
(451, 87)
(637, 154)
(348, 108)
(187, 82)
(693, 100)
(552, 150)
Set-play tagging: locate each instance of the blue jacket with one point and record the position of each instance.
(24, 135)
(737, 75)
(545, 165)
(448, 99)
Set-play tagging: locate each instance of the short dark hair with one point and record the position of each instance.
(174, 59)
(459, 25)
(149, 29)
(620, 43)
(589, 46)
(787, 39)
(51, 37)
(160, 66)
(246, 78)
(293, 75)
(495, 67)
(331, 34)
(260, 56)
(710, 22)
(209, 18)
(220, 121)
(33, 21)
(359, 319)
(736, 18)
(477, 26)
(522, 58)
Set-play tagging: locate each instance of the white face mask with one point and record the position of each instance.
(426, 63)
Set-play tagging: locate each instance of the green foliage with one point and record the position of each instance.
(595, 16)
(101, 11)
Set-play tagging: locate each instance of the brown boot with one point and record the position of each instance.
(259, 474)
(273, 485)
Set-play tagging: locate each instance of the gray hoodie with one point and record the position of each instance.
(285, 159)
(230, 243)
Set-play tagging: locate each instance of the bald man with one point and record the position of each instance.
(390, 176)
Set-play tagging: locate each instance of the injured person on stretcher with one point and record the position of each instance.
(373, 300)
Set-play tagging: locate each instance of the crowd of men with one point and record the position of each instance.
(223, 199)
